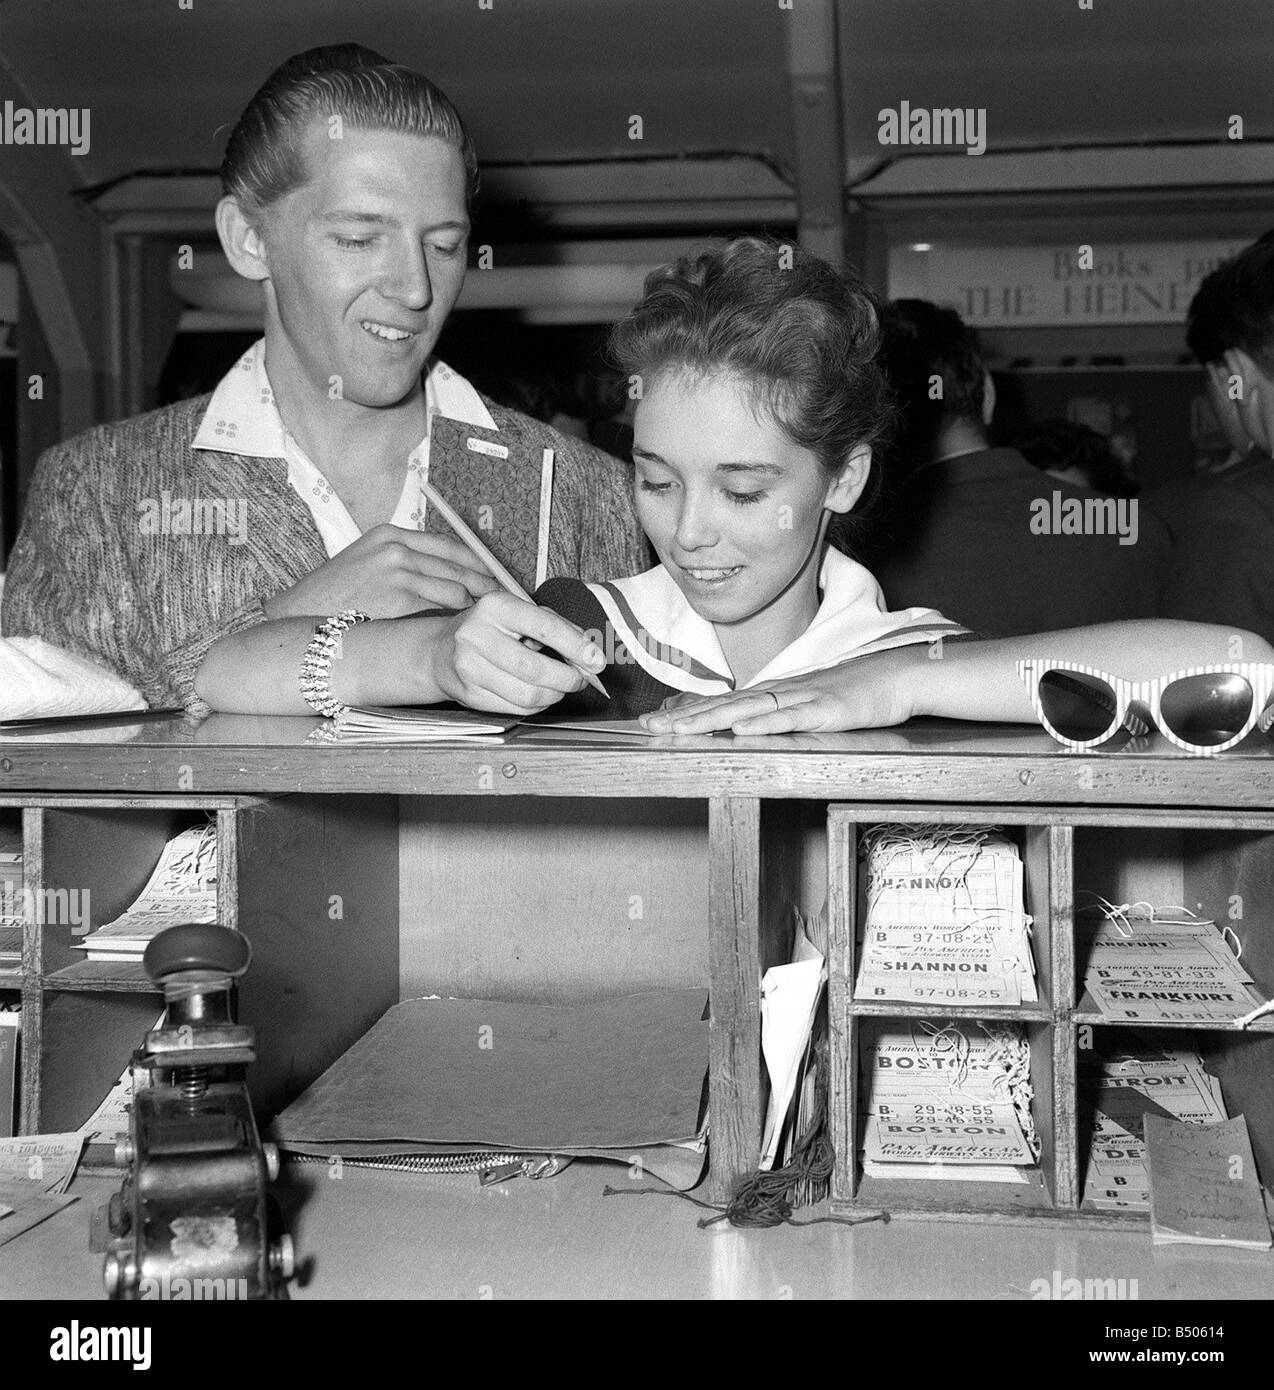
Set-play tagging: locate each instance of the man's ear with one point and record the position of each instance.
(988, 398)
(241, 241)
(848, 485)
(1255, 404)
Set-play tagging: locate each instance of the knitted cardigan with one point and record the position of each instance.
(86, 574)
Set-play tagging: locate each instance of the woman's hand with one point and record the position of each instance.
(479, 659)
(389, 572)
(866, 693)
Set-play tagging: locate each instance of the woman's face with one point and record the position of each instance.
(733, 507)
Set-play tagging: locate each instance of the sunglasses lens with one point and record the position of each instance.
(1079, 707)
(1207, 710)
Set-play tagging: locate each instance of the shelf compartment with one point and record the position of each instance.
(1241, 1061)
(122, 976)
(1044, 900)
(1225, 875)
(852, 1189)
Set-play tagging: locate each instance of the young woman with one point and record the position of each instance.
(760, 405)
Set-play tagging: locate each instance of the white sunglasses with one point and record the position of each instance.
(1203, 710)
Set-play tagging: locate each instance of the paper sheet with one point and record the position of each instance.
(30, 1210)
(182, 888)
(789, 1000)
(43, 1163)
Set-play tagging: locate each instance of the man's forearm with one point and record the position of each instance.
(380, 663)
(979, 680)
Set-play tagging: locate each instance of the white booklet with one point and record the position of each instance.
(413, 724)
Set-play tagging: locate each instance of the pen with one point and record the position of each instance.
(506, 580)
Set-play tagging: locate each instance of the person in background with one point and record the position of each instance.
(1222, 525)
(979, 526)
(348, 180)
(1073, 453)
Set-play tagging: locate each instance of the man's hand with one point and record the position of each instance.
(858, 694)
(389, 572)
(479, 659)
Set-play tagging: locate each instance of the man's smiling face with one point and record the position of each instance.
(365, 261)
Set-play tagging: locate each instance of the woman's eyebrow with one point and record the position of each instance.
(771, 469)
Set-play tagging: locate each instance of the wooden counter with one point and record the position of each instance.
(734, 830)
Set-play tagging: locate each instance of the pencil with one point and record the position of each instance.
(506, 580)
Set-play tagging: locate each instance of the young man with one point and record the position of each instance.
(347, 186)
(972, 529)
(1223, 525)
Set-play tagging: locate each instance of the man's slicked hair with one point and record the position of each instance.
(264, 157)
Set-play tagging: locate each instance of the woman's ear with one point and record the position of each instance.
(848, 485)
(241, 241)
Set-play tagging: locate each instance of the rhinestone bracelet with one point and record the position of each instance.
(316, 665)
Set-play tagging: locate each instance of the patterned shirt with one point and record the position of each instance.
(243, 419)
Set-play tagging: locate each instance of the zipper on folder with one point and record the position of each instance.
(490, 1167)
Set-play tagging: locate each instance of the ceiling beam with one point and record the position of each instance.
(814, 85)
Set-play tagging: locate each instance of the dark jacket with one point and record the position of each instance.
(1222, 568)
(975, 537)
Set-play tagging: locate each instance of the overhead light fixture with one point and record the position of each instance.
(922, 246)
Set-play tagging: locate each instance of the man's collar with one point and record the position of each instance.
(976, 466)
(242, 417)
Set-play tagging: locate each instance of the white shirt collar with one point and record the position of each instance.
(242, 417)
(668, 639)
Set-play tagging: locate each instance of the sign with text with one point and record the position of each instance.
(1059, 286)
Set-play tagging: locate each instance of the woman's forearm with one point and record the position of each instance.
(979, 680)
(378, 663)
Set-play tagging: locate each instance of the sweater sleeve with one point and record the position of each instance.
(69, 579)
(74, 580)
(609, 539)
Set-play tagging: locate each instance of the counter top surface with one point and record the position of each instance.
(924, 760)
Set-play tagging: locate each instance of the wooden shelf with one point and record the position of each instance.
(1007, 1013)
(921, 1197)
(125, 976)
